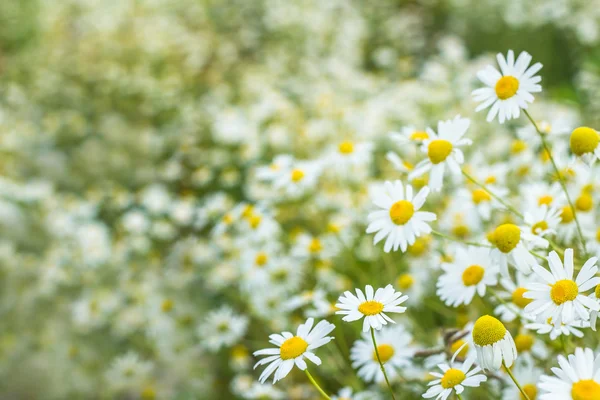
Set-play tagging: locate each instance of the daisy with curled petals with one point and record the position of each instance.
(494, 343)
(292, 349)
(546, 327)
(513, 243)
(509, 90)
(442, 149)
(454, 379)
(399, 218)
(556, 295)
(372, 307)
(577, 378)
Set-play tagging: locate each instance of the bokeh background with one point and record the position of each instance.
(130, 128)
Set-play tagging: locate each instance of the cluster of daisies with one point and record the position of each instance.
(527, 258)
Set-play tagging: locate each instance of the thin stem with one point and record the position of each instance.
(537, 255)
(481, 185)
(443, 235)
(515, 381)
(504, 303)
(459, 396)
(381, 364)
(560, 180)
(316, 385)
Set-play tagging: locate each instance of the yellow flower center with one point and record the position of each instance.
(566, 215)
(248, 211)
(490, 180)
(254, 221)
(385, 353)
(148, 393)
(584, 140)
(539, 227)
(346, 147)
(407, 165)
(292, 348)
(507, 87)
(479, 195)
(261, 259)
(597, 291)
(586, 389)
(472, 275)
(507, 237)
(401, 212)
(297, 175)
(584, 202)
(371, 307)
(518, 146)
(419, 247)
(227, 219)
(546, 199)
(419, 135)
(438, 150)
(530, 390)
(452, 377)
(488, 330)
(333, 228)
(405, 281)
(167, 305)
(461, 231)
(456, 345)
(315, 246)
(518, 299)
(523, 342)
(563, 291)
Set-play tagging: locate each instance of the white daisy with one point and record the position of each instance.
(595, 296)
(454, 379)
(409, 134)
(542, 220)
(469, 273)
(493, 343)
(393, 346)
(584, 143)
(577, 378)
(442, 149)
(528, 377)
(399, 218)
(514, 302)
(556, 295)
(513, 243)
(510, 90)
(292, 349)
(221, 328)
(372, 307)
(545, 327)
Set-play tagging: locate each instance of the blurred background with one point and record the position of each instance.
(130, 128)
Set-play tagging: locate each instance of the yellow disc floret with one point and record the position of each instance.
(452, 377)
(297, 175)
(420, 246)
(584, 202)
(545, 199)
(518, 299)
(487, 331)
(385, 353)
(261, 258)
(530, 390)
(585, 389)
(315, 246)
(523, 342)
(539, 227)
(597, 291)
(419, 135)
(507, 87)
(584, 140)
(472, 275)
(401, 212)
(346, 147)
(292, 348)
(457, 345)
(563, 291)
(507, 237)
(371, 307)
(406, 281)
(518, 146)
(479, 195)
(566, 215)
(438, 150)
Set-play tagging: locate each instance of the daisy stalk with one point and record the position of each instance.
(381, 364)
(525, 396)
(443, 235)
(316, 385)
(560, 180)
(481, 185)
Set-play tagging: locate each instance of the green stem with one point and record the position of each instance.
(443, 235)
(316, 385)
(515, 381)
(459, 396)
(505, 204)
(560, 180)
(507, 305)
(381, 364)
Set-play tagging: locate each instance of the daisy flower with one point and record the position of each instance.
(529, 376)
(371, 306)
(454, 379)
(469, 273)
(442, 149)
(409, 134)
(542, 220)
(493, 343)
(293, 349)
(514, 302)
(510, 89)
(393, 346)
(545, 327)
(556, 295)
(512, 244)
(584, 143)
(222, 328)
(578, 377)
(399, 218)
(595, 296)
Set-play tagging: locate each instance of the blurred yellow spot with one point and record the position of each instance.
(297, 175)
(584, 140)
(346, 147)
(385, 353)
(518, 299)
